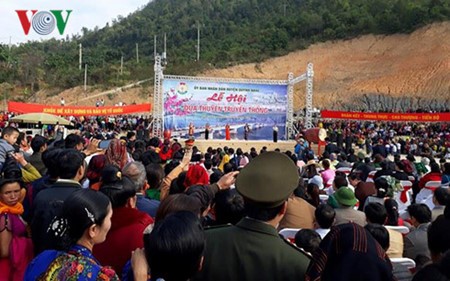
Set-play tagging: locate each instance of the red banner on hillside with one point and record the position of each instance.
(400, 117)
(19, 107)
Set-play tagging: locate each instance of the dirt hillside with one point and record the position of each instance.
(416, 65)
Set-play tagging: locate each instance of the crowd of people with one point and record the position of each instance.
(418, 139)
(157, 209)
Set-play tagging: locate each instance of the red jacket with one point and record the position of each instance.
(125, 236)
(429, 177)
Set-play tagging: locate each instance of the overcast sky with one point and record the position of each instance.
(86, 13)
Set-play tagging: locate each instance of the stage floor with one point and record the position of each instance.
(203, 145)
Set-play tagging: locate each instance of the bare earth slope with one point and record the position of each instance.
(416, 64)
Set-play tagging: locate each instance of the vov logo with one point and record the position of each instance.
(43, 22)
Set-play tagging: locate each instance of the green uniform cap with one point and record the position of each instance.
(268, 180)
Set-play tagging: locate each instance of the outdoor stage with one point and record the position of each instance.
(203, 145)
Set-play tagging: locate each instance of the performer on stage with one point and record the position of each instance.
(275, 133)
(246, 131)
(191, 130)
(207, 129)
(227, 132)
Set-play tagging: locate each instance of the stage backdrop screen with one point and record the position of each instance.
(202, 103)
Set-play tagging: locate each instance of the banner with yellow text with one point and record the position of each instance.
(19, 107)
(399, 117)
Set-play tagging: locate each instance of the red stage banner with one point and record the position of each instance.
(400, 117)
(19, 107)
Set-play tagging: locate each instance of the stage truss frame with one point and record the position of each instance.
(158, 99)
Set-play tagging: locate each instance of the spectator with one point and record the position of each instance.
(439, 246)
(325, 217)
(312, 174)
(265, 183)
(438, 242)
(136, 172)
(228, 207)
(341, 253)
(384, 191)
(328, 174)
(362, 189)
(9, 138)
(313, 191)
(155, 175)
(177, 242)
(433, 175)
(441, 198)
(376, 213)
(39, 145)
(345, 213)
(85, 222)
(116, 153)
(393, 217)
(299, 213)
(74, 141)
(339, 181)
(308, 240)
(446, 174)
(94, 171)
(381, 234)
(126, 221)
(175, 203)
(16, 248)
(416, 241)
(49, 201)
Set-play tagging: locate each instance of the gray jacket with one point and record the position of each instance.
(416, 242)
(5, 148)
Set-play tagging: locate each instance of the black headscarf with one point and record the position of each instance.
(349, 253)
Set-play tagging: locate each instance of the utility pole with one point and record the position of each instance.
(154, 46)
(198, 41)
(164, 54)
(137, 52)
(9, 52)
(121, 65)
(284, 7)
(81, 56)
(85, 77)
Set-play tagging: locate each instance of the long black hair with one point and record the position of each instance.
(83, 208)
(175, 246)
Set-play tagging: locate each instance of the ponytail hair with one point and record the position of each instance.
(392, 212)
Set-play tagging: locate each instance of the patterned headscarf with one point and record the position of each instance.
(116, 154)
(349, 253)
(95, 168)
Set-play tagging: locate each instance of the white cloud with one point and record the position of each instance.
(86, 13)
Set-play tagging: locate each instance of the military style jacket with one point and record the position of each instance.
(251, 250)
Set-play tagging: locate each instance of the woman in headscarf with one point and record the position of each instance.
(349, 253)
(166, 151)
(94, 171)
(196, 175)
(16, 248)
(117, 154)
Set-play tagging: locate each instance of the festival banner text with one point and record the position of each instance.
(400, 117)
(19, 107)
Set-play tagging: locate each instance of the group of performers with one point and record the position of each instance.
(247, 130)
